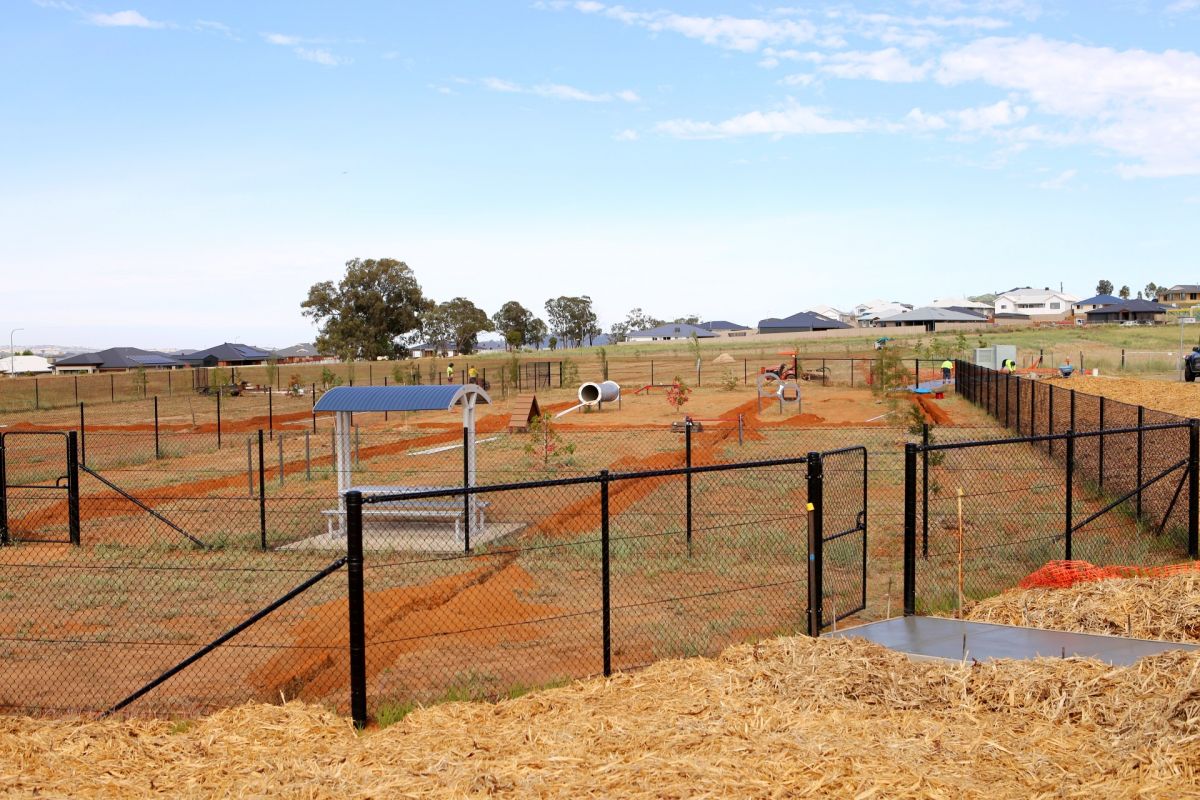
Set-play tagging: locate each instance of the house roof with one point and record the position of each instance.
(1027, 294)
(18, 364)
(802, 319)
(673, 330)
(1130, 305)
(723, 325)
(229, 351)
(398, 398)
(1099, 300)
(120, 358)
(302, 350)
(931, 314)
(957, 302)
(1184, 287)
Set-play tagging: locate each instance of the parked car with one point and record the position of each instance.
(1129, 324)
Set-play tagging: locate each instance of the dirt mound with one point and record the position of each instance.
(724, 358)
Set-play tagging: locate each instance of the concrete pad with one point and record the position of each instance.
(416, 537)
(940, 638)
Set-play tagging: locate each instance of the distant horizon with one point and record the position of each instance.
(187, 171)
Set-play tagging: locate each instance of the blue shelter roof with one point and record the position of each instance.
(397, 398)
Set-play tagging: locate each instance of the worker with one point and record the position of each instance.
(947, 367)
(1010, 366)
(450, 372)
(472, 374)
(1191, 365)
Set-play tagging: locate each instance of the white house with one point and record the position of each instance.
(960, 302)
(1035, 303)
(25, 365)
(832, 313)
(867, 313)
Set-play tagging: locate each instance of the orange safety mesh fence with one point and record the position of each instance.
(1062, 574)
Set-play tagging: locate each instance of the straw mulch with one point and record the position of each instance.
(1147, 608)
(788, 718)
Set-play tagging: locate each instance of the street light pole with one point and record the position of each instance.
(12, 355)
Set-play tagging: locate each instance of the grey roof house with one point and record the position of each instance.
(116, 359)
(802, 322)
(1128, 311)
(226, 355)
(930, 318)
(669, 331)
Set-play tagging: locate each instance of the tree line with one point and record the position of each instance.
(1149, 292)
(378, 310)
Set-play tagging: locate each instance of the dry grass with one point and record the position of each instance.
(792, 718)
(1146, 608)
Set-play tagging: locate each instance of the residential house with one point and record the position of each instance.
(1093, 303)
(932, 319)
(670, 331)
(25, 365)
(1128, 311)
(299, 354)
(832, 313)
(802, 322)
(430, 350)
(722, 327)
(226, 355)
(866, 313)
(962, 304)
(1036, 304)
(1182, 295)
(116, 359)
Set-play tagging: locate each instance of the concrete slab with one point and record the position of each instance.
(389, 535)
(937, 637)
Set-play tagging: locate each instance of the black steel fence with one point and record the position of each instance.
(1082, 477)
(175, 602)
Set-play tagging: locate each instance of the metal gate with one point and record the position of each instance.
(39, 499)
(837, 536)
(537, 375)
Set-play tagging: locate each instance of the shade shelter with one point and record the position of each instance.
(347, 400)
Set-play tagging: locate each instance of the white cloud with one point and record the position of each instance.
(498, 85)
(1139, 104)
(1059, 181)
(216, 27)
(890, 66)
(559, 91)
(798, 79)
(627, 135)
(1182, 6)
(986, 118)
(919, 120)
(730, 33)
(320, 55)
(792, 120)
(282, 39)
(123, 19)
(317, 55)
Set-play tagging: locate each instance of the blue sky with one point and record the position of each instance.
(179, 173)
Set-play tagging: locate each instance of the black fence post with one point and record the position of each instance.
(1050, 420)
(5, 539)
(82, 438)
(73, 487)
(1194, 488)
(1007, 395)
(687, 438)
(270, 413)
(112, 389)
(157, 449)
(924, 491)
(218, 417)
(1070, 515)
(76, 388)
(1033, 387)
(910, 529)
(1101, 444)
(467, 499)
(605, 585)
(1018, 414)
(355, 608)
(1141, 421)
(262, 492)
(652, 372)
(1071, 426)
(816, 541)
